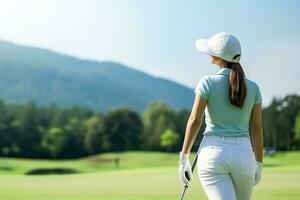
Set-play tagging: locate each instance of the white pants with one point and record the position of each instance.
(226, 167)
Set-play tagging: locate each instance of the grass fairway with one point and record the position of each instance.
(142, 176)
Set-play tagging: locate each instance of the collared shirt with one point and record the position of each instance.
(221, 117)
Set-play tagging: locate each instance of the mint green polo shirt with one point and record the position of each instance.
(222, 118)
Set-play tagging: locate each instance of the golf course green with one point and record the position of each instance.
(140, 176)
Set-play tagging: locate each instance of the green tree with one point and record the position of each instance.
(53, 141)
(169, 139)
(297, 126)
(182, 118)
(8, 135)
(30, 137)
(95, 140)
(73, 146)
(123, 127)
(158, 117)
(278, 123)
(270, 124)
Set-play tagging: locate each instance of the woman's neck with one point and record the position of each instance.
(222, 65)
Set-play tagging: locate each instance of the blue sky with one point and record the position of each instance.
(158, 36)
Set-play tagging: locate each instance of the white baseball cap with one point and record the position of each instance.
(223, 45)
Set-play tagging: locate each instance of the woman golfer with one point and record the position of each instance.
(227, 166)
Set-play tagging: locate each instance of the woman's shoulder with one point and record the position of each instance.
(204, 79)
(251, 83)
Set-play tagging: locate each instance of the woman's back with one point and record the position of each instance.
(221, 117)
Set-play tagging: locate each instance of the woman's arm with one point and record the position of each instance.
(257, 132)
(194, 123)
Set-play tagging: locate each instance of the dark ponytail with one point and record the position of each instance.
(238, 89)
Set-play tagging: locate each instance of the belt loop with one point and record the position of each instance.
(238, 140)
(223, 138)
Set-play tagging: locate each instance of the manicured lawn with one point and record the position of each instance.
(142, 175)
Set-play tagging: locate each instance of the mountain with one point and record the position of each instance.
(43, 76)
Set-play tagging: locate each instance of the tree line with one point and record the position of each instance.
(51, 132)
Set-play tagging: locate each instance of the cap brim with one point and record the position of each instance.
(203, 46)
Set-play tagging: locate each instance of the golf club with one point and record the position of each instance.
(193, 166)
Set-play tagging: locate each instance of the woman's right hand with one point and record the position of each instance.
(258, 172)
(185, 171)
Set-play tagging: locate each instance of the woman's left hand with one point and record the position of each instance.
(258, 172)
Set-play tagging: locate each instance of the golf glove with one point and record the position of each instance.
(185, 171)
(258, 172)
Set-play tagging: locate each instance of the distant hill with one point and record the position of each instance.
(40, 75)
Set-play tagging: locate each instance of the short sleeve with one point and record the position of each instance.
(202, 88)
(258, 97)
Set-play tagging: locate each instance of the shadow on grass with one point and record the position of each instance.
(5, 168)
(49, 171)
